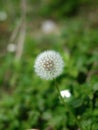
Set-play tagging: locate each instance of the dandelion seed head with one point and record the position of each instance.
(49, 65)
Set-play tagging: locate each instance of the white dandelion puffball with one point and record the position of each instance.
(48, 26)
(49, 65)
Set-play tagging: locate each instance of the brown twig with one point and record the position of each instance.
(15, 32)
(21, 38)
(21, 30)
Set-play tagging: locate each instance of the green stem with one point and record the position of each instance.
(66, 106)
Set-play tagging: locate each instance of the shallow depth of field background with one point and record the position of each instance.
(28, 27)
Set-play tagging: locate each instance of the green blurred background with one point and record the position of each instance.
(28, 27)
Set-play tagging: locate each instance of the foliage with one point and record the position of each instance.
(61, 8)
(30, 102)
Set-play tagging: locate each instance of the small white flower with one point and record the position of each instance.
(65, 93)
(49, 65)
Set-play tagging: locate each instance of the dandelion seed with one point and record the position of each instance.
(49, 65)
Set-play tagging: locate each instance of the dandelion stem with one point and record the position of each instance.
(66, 106)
